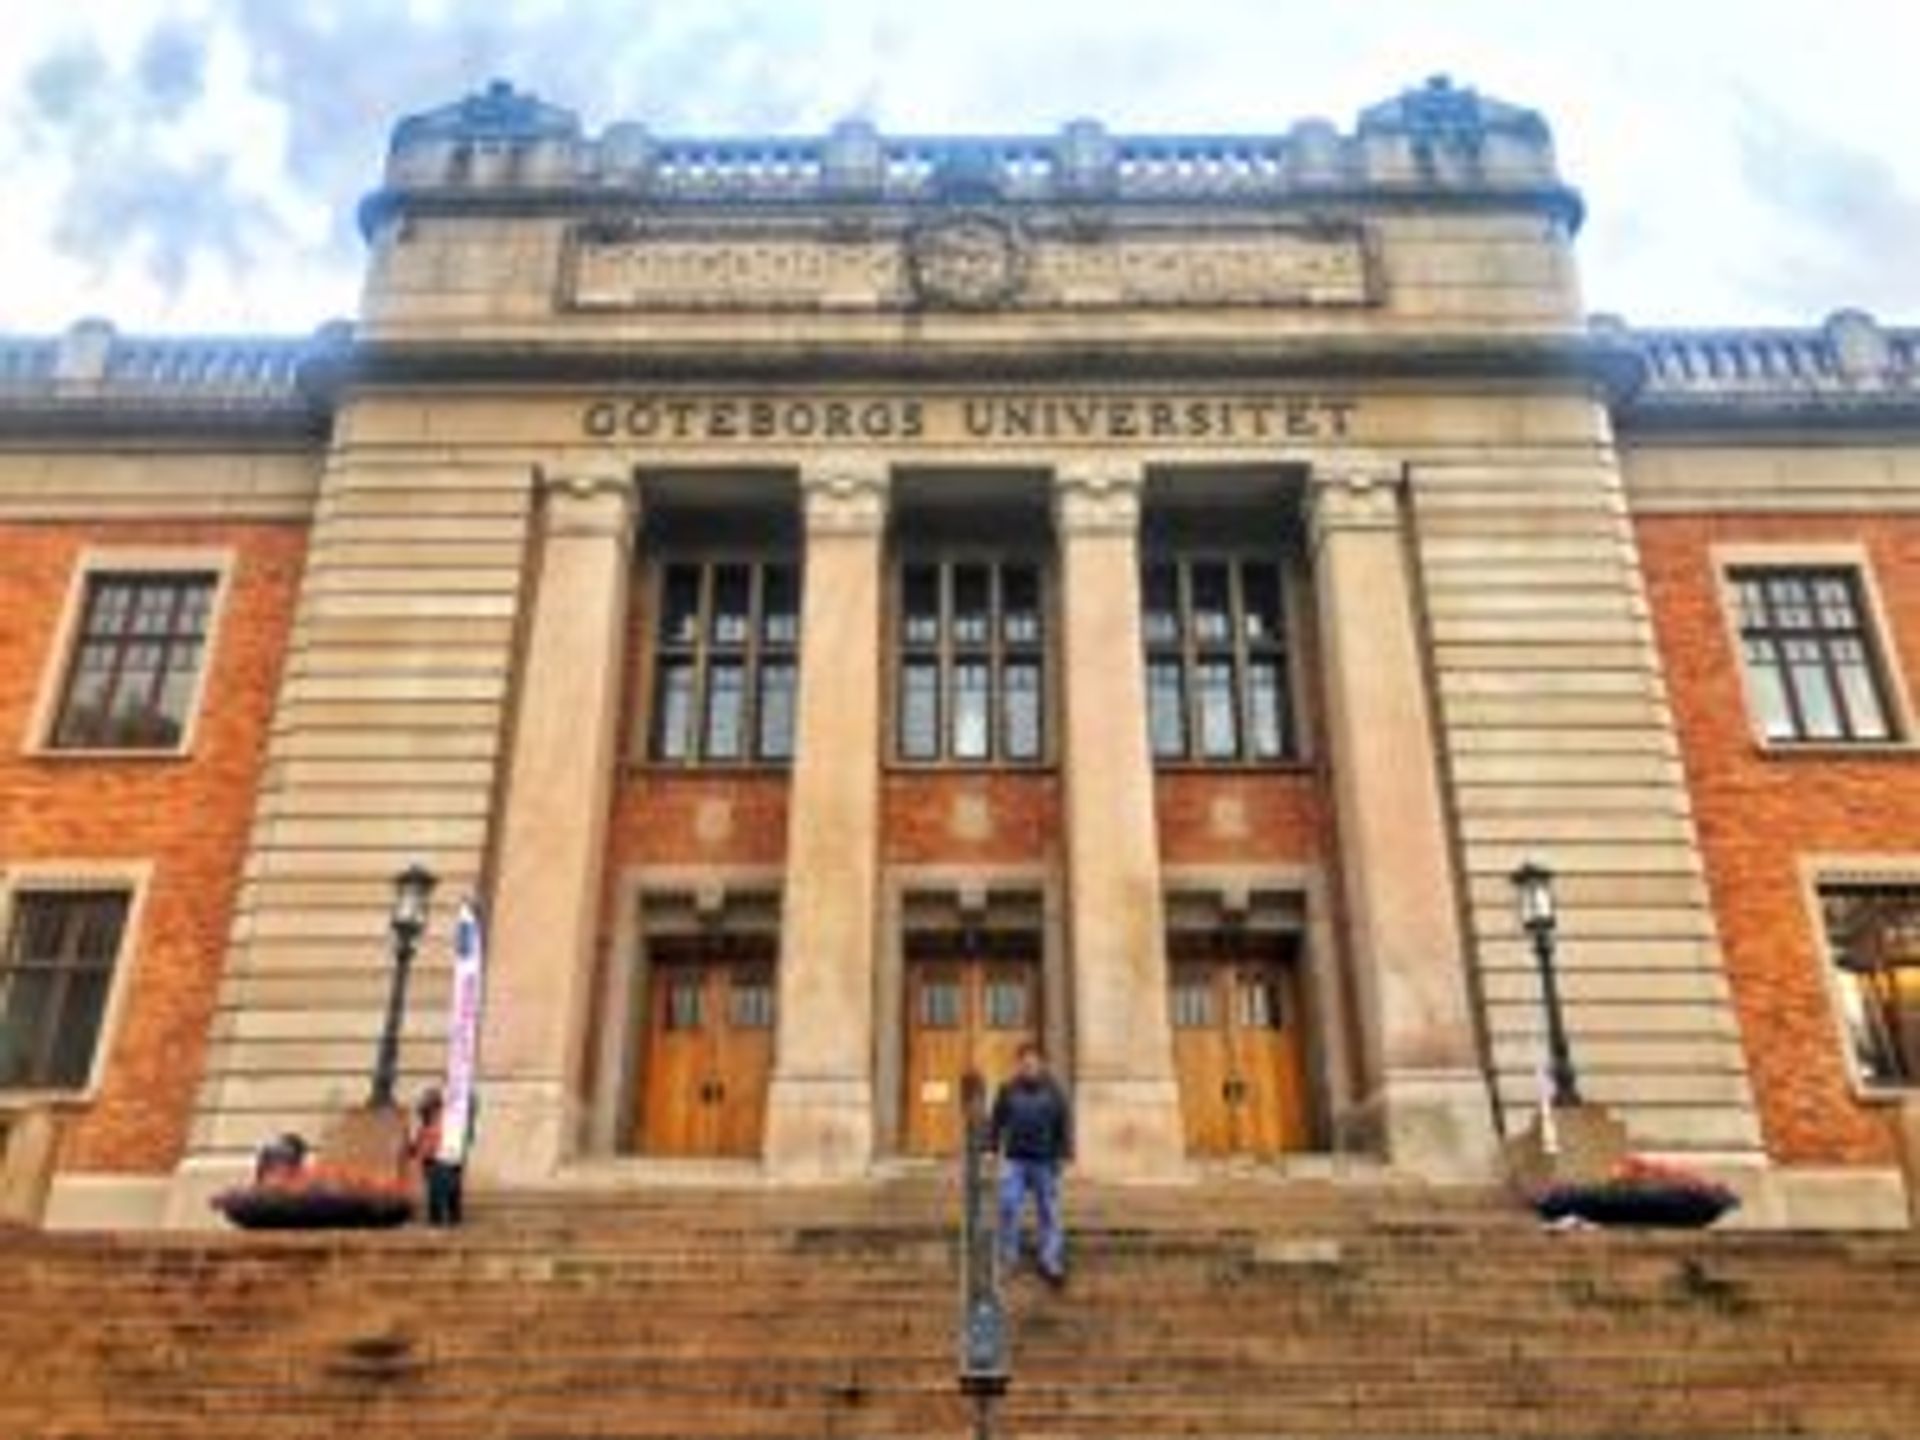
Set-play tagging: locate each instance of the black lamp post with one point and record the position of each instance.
(1533, 887)
(412, 891)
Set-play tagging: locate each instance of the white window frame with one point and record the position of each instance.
(41, 877)
(1884, 652)
(95, 560)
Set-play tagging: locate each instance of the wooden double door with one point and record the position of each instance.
(708, 1048)
(971, 1003)
(1239, 1046)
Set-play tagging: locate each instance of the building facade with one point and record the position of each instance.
(846, 606)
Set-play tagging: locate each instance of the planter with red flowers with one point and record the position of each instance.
(1638, 1191)
(319, 1197)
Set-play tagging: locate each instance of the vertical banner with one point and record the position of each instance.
(463, 1034)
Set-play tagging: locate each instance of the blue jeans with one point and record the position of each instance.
(1041, 1180)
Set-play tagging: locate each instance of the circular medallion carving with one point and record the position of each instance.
(968, 262)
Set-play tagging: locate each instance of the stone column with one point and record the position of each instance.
(1428, 1098)
(820, 1104)
(545, 909)
(1126, 1098)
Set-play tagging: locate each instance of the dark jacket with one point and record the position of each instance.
(1032, 1120)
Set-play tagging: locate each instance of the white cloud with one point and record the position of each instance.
(194, 163)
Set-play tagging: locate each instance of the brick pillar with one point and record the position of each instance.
(1428, 1100)
(552, 838)
(1127, 1102)
(820, 1104)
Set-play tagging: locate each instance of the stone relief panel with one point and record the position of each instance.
(966, 260)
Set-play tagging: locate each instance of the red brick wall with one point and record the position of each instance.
(981, 817)
(1759, 813)
(187, 818)
(1241, 817)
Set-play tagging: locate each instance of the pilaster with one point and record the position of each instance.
(820, 1103)
(551, 850)
(1126, 1097)
(1428, 1099)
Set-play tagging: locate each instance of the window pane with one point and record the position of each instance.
(970, 694)
(673, 711)
(153, 608)
(1266, 702)
(680, 605)
(971, 601)
(1166, 709)
(732, 601)
(920, 605)
(1769, 690)
(1020, 604)
(134, 719)
(1867, 719)
(1160, 595)
(1219, 726)
(726, 710)
(1212, 609)
(176, 689)
(776, 710)
(24, 995)
(1833, 603)
(780, 606)
(112, 607)
(1819, 710)
(1792, 605)
(1873, 937)
(78, 1029)
(1022, 701)
(1260, 602)
(920, 710)
(83, 720)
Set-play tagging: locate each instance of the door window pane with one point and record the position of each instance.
(1006, 1003)
(686, 1000)
(750, 999)
(940, 1004)
(1193, 1000)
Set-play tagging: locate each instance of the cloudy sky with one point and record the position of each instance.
(193, 164)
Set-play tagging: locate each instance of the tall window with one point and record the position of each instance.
(726, 662)
(972, 664)
(1216, 637)
(1809, 656)
(142, 642)
(1873, 937)
(53, 985)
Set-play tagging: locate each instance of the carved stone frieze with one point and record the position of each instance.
(972, 259)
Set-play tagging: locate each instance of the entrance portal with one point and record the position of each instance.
(1239, 1045)
(709, 1046)
(972, 1002)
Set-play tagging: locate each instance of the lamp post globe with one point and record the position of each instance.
(412, 895)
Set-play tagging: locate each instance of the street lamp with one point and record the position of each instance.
(1533, 889)
(412, 891)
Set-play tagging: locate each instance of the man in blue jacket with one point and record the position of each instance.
(1033, 1135)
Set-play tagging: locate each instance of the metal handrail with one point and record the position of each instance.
(986, 1366)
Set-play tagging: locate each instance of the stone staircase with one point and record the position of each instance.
(1243, 1308)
